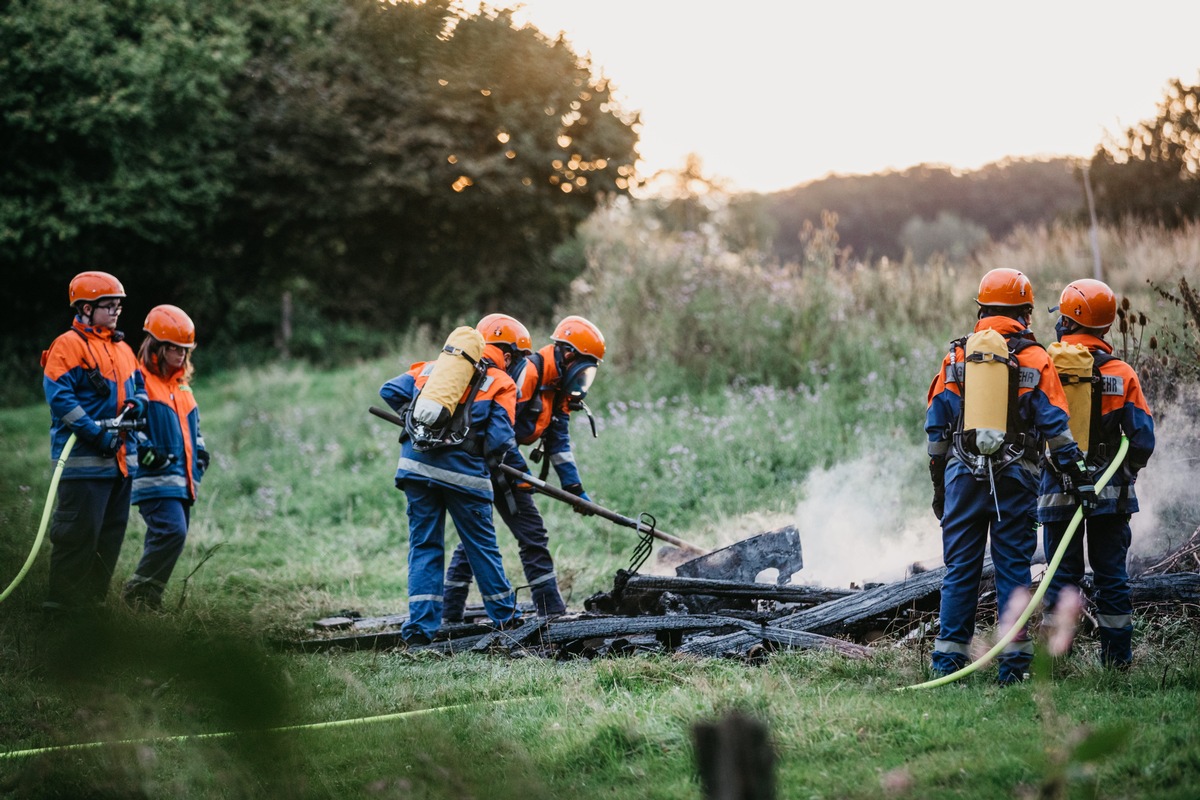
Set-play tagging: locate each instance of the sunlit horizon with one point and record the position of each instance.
(784, 93)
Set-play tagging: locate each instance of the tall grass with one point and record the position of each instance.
(736, 390)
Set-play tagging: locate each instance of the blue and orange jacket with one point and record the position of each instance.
(1041, 402)
(542, 412)
(76, 404)
(492, 413)
(1123, 412)
(173, 429)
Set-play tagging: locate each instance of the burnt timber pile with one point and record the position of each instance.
(704, 617)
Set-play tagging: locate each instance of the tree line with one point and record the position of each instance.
(1148, 174)
(379, 163)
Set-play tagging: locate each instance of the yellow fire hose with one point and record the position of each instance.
(1041, 590)
(41, 534)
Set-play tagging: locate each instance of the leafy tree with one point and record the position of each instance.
(425, 164)
(382, 162)
(1152, 172)
(114, 125)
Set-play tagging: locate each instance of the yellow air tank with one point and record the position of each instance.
(1073, 363)
(451, 376)
(985, 398)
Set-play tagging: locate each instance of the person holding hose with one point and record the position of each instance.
(172, 457)
(550, 385)
(90, 376)
(445, 467)
(1114, 407)
(994, 406)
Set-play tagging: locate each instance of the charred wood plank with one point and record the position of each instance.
(1171, 588)
(811, 595)
(606, 627)
(855, 612)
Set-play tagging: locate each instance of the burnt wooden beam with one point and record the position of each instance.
(920, 591)
(1170, 588)
(758, 591)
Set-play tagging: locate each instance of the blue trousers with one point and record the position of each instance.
(167, 522)
(86, 534)
(530, 532)
(1108, 538)
(427, 507)
(970, 515)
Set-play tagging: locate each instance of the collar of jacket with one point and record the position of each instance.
(1006, 326)
(1088, 340)
(99, 333)
(493, 354)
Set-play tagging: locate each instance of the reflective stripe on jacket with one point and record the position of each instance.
(77, 404)
(173, 429)
(492, 412)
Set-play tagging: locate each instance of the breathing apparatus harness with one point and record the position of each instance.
(1019, 437)
(455, 430)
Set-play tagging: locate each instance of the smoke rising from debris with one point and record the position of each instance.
(857, 526)
(1166, 488)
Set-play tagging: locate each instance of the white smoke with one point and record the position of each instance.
(1167, 487)
(856, 526)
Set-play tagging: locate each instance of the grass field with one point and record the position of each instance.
(298, 519)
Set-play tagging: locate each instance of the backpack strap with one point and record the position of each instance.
(1101, 448)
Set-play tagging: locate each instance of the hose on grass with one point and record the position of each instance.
(1041, 590)
(41, 534)
(312, 726)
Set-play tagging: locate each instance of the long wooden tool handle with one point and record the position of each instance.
(567, 497)
(601, 511)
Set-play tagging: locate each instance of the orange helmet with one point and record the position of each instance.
(1005, 287)
(503, 329)
(580, 334)
(1089, 302)
(88, 287)
(171, 325)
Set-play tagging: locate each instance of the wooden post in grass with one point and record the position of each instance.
(735, 759)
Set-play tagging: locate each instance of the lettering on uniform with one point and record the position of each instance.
(1113, 385)
(1028, 378)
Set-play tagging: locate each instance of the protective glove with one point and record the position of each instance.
(1078, 481)
(937, 473)
(134, 408)
(108, 442)
(152, 458)
(203, 459)
(577, 490)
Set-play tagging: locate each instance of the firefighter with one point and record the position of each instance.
(172, 457)
(455, 478)
(90, 377)
(1116, 407)
(990, 416)
(550, 385)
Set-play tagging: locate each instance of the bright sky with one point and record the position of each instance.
(774, 93)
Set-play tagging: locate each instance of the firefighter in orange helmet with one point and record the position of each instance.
(172, 457)
(1087, 309)
(550, 385)
(985, 479)
(90, 378)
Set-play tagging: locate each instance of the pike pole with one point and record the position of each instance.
(578, 502)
